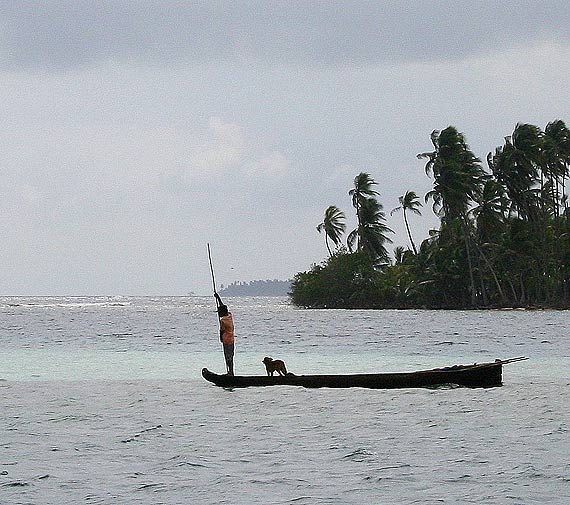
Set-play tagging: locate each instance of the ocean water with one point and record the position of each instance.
(102, 402)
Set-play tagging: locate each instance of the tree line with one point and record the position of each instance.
(503, 238)
(256, 288)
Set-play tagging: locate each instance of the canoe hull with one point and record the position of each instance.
(475, 376)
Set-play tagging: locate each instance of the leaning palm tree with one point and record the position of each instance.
(457, 172)
(556, 152)
(458, 180)
(333, 225)
(411, 202)
(362, 191)
(490, 211)
(516, 165)
(370, 236)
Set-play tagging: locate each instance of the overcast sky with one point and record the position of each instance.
(134, 132)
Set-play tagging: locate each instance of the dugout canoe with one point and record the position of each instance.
(477, 375)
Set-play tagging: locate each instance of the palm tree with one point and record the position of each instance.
(333, 225)
(490, 210)
(457, 172)
(526, 166)
(458, 179)
(516, 165)
(399, 255)
(363, 183)
(370, 235)
(556, 149)
(361, 191)
(490, 215)
(409, 201)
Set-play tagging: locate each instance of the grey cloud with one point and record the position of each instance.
(60, 34)
(134, 131)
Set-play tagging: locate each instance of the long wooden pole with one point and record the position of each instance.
(214, 285)
(212, 271)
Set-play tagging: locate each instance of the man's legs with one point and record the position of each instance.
(229, 357)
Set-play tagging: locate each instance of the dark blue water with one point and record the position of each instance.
(102, 402)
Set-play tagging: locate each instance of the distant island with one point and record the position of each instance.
(257, 288)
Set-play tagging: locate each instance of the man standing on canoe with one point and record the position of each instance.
(226, 333)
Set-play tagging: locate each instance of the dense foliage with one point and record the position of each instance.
(503, 239)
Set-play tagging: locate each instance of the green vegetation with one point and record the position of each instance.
(503, 239)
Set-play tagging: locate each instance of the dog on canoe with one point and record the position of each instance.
(275, 365)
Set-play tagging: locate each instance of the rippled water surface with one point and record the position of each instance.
(102, 402)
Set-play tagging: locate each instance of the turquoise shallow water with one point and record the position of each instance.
(102, 402)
